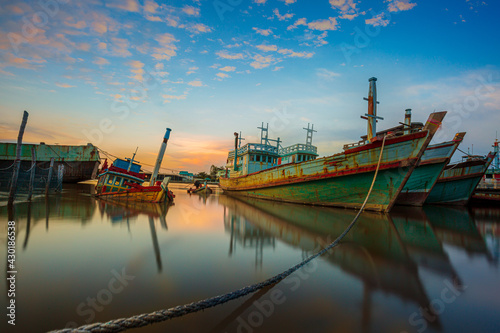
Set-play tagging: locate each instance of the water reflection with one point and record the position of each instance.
(373, 251)
(123, 212)
(385, 252)
(387, 268)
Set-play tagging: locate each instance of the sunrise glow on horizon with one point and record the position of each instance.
(117, 73)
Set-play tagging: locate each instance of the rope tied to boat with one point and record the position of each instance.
(10, 166)
(122, 324)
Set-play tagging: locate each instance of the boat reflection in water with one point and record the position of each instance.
(123, 212)
(385, 252)
(383, 277)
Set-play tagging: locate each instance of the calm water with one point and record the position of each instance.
(81, 260)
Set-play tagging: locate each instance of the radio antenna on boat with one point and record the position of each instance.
(264, 139)
(240, 138)
(310, 131)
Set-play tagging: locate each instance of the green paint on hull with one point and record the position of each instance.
(424, 177)
(453, 192)
(346, 191)
(420, 184)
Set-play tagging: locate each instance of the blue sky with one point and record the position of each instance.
(117, 73)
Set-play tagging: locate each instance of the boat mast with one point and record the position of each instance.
(130, 161)
(497, 158)
(240, 139)
(371, 116)
(407, 129)
(160, 157)
(235, 151)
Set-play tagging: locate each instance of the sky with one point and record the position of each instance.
(118, 73)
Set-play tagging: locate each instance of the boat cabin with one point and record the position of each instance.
(119, 175)
(297, 153)
(255, 157)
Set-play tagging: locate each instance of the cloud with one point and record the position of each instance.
(137, 69)
(347, 8)
(64, 85)
(288, 2)
(330, 24)
(100, 61)
(277, 68)
(200, 27)
(77, 25)
(128, 5)
(222, 75)
(260, 2)
(10, 60)
(301, 21)
(166, 49)
(150, 6)
(190, 10)
(326, 74)
(400, 5)
(153, 18)
(378, 20)
(293, 54)
(228, 69)
(192, 70)
(6, 73)
(261, 61)
(263, 32)
(234, 56)
(282, 17)
(267, 48)
(169, 98)
(196, 83)
(102, 24)
(119, 47)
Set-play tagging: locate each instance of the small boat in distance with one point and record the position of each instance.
(200, 188)
(341, 180)
(123, 181)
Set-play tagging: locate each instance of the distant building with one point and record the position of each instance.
(187, 176)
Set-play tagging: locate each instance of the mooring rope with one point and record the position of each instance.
(7, 168)
(122, 324)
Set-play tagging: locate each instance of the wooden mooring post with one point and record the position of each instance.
(60, 175)
(33, 170)
(49, 177)
(17, 162)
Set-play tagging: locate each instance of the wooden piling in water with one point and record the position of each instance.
(60, 174)
(49, 176)
(17, 162)
(32, 175)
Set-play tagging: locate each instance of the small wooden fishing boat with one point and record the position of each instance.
(123, 181)
(200, 188)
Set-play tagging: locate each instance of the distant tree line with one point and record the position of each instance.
(212, 175)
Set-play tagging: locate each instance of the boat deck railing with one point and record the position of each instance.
(255, 148)
(299, 147)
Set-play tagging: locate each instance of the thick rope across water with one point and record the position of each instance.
(119, 325)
